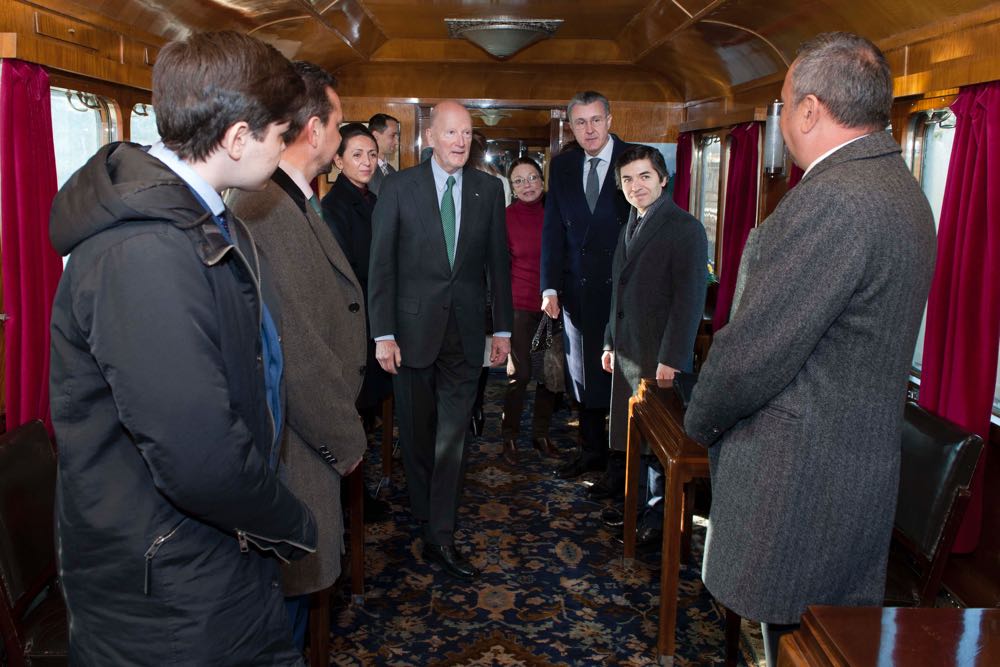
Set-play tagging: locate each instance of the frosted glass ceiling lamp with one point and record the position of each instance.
(502, 37)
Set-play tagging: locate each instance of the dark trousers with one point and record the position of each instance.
(594, 435)
(518, 377)
(433, 406)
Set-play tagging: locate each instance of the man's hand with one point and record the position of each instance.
(388, 356)
(608, 361)
(499, 350)
(664, 372)
(550, 304)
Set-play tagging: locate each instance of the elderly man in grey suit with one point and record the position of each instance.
(436, 227)
(801, 398)
(323, 323)
(385, 129)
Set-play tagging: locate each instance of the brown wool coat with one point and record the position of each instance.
(801, 398)
(323, 341)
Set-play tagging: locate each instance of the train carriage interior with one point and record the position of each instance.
(695, 79)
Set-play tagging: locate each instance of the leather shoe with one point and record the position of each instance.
(450, 560)
(545, 447)
(612, 517)
(577, 467)
(647, 538)
(602, 490)
(510, 452)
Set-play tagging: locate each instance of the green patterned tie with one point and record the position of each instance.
(314, 202)
(448, 220)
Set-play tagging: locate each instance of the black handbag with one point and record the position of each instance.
(548, 328)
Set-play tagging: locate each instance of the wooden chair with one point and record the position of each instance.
(33, 614)
(938, 461)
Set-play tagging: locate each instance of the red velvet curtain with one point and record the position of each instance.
(740, 214)
(963, 311)
(795, 175)
(31, 268)
(682, 179)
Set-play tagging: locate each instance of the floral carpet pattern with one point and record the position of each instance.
(553, 589)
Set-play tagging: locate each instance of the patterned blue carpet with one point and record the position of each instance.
(553, 590)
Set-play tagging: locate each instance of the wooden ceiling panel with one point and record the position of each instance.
(562, 51)
(304, 38)
(582, 20)
(429, 81)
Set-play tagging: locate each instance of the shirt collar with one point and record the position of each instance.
(298, 178)
(831, 152)
(441, 176)
(189, 176)
(605, 154)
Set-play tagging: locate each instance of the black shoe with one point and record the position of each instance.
(602, 490)
(646, 538)
(376, 511)
(612, 517)
(449, 559)
(577, 467)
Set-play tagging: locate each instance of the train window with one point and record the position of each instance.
(81, 123)
(933, 133)
(709, 170)
(143, 125)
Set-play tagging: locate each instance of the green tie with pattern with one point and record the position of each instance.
(314, 202)
(448, 220)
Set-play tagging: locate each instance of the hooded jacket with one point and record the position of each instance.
(168, 514)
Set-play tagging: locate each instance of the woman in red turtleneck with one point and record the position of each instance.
(524, 238)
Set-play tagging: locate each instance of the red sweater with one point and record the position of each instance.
(524, 239)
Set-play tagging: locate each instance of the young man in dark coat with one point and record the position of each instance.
(801, 398)
(165, 378)
(658, 282)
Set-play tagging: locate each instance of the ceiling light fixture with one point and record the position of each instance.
(502, 37)
(491, 117)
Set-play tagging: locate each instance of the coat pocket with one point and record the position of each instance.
(153, 549)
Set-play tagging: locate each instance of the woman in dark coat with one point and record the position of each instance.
(347, 208)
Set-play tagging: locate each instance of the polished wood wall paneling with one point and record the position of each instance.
(363, 108)
(82, 43)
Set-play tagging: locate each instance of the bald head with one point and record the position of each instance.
(450, 135)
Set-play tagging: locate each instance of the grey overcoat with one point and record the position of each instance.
(802, 394)
(658, 296)
(323, 340)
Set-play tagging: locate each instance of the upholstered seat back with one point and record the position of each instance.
(27, 501)
(938, 459)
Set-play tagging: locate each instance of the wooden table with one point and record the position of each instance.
(890, 637)
(656, 415)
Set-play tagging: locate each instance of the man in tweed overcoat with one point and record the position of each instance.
(323, 333)
(801, 398)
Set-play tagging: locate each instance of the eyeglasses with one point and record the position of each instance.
(518, 182)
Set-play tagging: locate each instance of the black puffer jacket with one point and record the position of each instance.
(160, 415)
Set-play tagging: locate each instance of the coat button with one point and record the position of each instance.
(354, 307)
(583, 281)
(621, 314)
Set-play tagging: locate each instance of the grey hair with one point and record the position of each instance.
(585, 98)
(849, 75)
